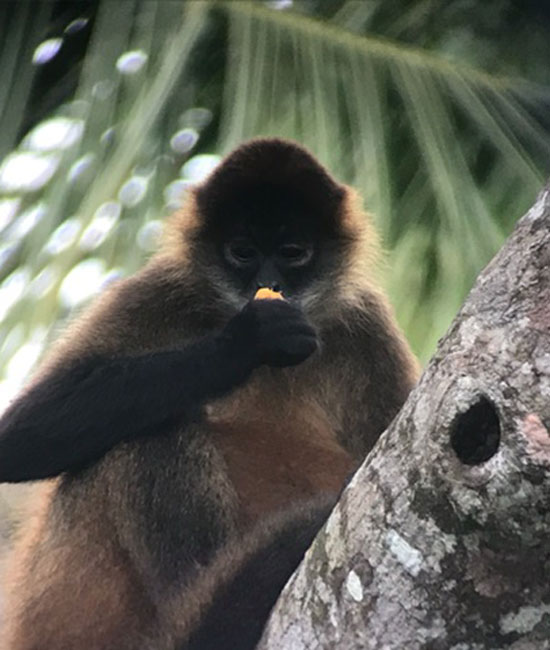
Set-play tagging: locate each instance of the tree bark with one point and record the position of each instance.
(442, 538)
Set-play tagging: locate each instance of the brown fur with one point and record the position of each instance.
(265, 458)
(100, 563)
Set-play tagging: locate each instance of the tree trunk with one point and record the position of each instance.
(442, 538)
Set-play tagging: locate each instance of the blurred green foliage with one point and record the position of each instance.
(108, 110)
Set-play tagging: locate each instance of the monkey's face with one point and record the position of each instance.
(270, 215)
(269, 237)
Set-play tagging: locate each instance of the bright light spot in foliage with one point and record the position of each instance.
(63, 236)
(7, 253)
(43, 283)
(103, 89)
(133, 191)
(196, 118)
(27, 221)
(76, 25)
(23, 355)
(56, 133)
(82, 282)
(47, 50)
(103, 221)
(174, 193)
(23, 360)
(197, 168)
(13, 340)
(131, 62)
(26, 171)
(110, 277)
(8, 210)
(79, 108)
(280, 4)
(12, 289)
(108, 136)
(80, 166)
(184, 140)
(148, 235)
(8, 390)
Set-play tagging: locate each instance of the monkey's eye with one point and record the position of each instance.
(241, 252)
(295, 254)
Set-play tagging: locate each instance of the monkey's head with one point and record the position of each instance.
(271, 216)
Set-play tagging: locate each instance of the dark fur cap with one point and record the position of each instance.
(276, 165)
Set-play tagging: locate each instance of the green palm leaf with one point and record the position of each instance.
(445, 155)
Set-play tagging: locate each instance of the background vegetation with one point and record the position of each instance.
(438, 112)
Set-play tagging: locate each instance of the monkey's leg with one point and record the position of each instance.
(230, 603)
(76, 593)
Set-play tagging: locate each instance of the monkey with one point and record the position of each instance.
(178, 414)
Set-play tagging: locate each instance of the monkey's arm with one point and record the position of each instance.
(75, 414)
(79, 413)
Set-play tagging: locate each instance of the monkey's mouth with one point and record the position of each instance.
(290, 296)
(250, 292)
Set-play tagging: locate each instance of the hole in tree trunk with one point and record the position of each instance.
(475, 434)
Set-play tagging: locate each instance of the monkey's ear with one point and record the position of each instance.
(274, 163)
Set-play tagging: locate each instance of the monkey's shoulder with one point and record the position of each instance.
(159, 307)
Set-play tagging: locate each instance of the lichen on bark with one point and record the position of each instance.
(442, 538)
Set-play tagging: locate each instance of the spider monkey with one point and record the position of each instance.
(178, 417)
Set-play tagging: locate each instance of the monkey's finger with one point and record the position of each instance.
(286, 330)
(291, 351)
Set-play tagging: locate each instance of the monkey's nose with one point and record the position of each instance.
(274, 286)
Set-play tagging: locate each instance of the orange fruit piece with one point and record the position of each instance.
(268, 294)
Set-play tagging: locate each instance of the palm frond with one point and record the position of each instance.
(407, 128)
(445, 155)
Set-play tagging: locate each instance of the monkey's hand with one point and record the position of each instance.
(272, 332)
